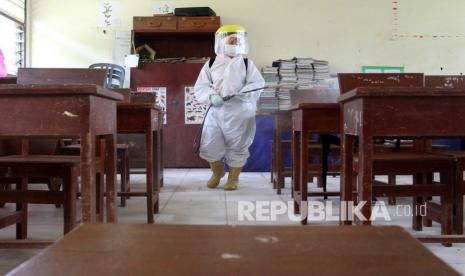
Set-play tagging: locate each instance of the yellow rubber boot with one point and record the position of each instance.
(218, 173)
(233, 179)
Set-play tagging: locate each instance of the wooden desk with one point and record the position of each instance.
(145, 118)
(7, 80)
(349, 81)
(313, 111)
(371, 112)
(62, 76)
(282, 123)
(105, 249)
(78, 111)
(448, 81)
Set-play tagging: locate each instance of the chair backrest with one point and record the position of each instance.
(62, 76)
(450, 81)
(114, 73)
(349, 81)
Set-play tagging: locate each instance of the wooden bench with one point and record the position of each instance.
(451, 81)
(80, 75)
(18, 168)
(280, 147)
(350, 81)
(375, 107)
(83, 111)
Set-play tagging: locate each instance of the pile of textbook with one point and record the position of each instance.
(268, 99)
(291, 74)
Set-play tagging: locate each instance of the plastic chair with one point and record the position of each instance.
(115, 72)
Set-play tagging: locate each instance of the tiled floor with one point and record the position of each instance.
(186, 200)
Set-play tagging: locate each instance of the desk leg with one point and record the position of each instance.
(429, 179)
(296, 170)
(21, 227)
(156, 171)
(100, 182)
(110, 169)
(325, 149)
(279, 165)
(149, 169)
(303, 175)
(22, 207)
(273, 160)
(458, 201)
(418, 179)
(447, 200)
(160, 156)
(365, 176)
(88, 183)
(69, 205)
(160, 147)
(347, 177)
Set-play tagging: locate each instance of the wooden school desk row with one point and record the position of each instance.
(235, 250)
(72, 103)
(319, 111)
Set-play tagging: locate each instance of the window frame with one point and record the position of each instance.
(22, 25)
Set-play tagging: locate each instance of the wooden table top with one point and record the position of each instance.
(401, 92)
(8, 80)
(445, 81)
(349, 81)
(314, 98)
(111, 249)
(58, 89)
(62, 76)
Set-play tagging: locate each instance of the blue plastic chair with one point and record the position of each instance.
(114, 73)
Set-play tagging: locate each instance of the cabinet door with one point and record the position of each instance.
(187, 76)
(178, 137)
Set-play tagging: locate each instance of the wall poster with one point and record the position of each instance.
(160, 97)
(193, 110)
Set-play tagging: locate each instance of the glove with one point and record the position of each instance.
(216, 100)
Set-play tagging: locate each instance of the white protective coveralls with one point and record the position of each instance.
(229, 129)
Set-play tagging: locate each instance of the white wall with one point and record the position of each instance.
(348, 33)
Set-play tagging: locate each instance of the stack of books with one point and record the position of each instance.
(305, 73)
(321, 69)
(284, 98)
(287, 73)
(270, 74)
(296, 73)
(268, 99)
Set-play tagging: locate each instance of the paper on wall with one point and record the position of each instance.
(193, 110)
(160, 97)
(122, 49)
(109, 13)
(162, 7)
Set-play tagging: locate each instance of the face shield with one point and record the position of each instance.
(231, 40)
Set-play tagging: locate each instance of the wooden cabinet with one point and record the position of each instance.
(199, 23)
(193, 37)
(176, 24)
(155, 23)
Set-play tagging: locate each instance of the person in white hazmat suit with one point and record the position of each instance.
(229, 127)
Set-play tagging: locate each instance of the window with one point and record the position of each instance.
(12, 33)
